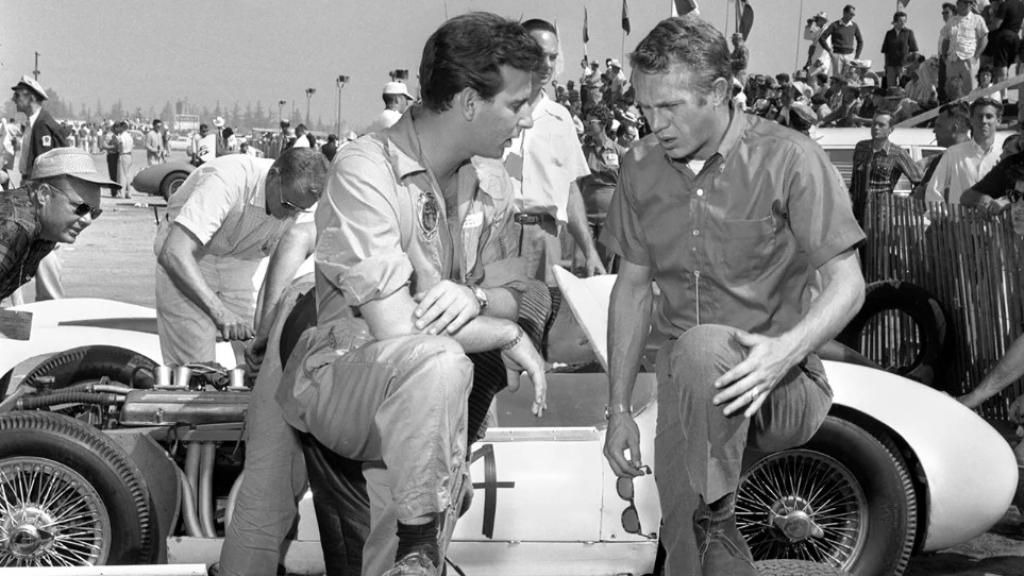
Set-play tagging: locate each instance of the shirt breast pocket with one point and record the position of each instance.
(746, 247)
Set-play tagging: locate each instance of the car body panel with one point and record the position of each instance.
(149, 179)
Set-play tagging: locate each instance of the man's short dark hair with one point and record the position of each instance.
(688, 40)
(782, 78)
(468, 51)
(201, 126)
(157, 122)
(949, 6)
(986, 101)
(899, 15)
(390, 99)
(849, 8)
(535, 24)
(304, 166)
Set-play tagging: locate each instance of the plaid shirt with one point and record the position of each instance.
(21, 249)
(877, 171)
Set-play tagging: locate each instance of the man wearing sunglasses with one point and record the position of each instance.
(227, 216)
(60, 201)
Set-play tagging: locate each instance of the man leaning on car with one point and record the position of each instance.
(61, 200)
(732, 215)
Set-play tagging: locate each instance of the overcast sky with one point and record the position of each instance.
(146, 53)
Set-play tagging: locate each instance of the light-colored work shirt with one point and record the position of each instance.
(964, 34)
(125, 143)
(544, 160)
(223, 204)
(962, 166)
(384, 225)
(385, 120)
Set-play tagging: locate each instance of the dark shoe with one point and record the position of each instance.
(413, 564)
(723, 551)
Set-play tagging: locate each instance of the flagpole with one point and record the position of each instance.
(796, 58)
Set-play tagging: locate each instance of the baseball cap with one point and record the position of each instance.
(397, 89)
(73, 162)
(218, 122)
(30, 83)
(821, 15)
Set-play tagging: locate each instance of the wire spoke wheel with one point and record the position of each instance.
(802, 505)
(50, 515)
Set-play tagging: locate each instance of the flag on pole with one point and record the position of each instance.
(902, 4)
(586, 34)
(684, 7)
(744, 18)
(625, 18)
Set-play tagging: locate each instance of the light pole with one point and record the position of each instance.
(280, 108)
(341, 84)
(309, 94)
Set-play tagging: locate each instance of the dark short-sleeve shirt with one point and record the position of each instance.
(1012, 14)
(897, 45)
(738, 243)
(998, 182)
(21, 248)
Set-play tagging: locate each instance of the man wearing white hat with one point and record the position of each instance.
(60, 201)
(396, 100)
(42, 134)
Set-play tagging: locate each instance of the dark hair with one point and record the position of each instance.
(958, 115)
(983, 68)
(201, 126)
(849, 8)
(535, 24)
(687, 40)
(600, 113)
(782, 78)
(390, 99)
(468, 51)
(157, 121)
(949, 6)
(304, 166)
(986, 101)
(898, 15)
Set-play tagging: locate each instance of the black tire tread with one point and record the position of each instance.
(796, 568)
(46, 423)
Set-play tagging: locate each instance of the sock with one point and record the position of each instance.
(419, 538)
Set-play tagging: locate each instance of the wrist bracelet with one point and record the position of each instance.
(515, 341)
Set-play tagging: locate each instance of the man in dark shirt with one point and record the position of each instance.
(847, 42)
(878, 165)
(1004, 38)
(61, 200)
(899, 44)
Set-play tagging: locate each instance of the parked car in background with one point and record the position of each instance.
(162, 179)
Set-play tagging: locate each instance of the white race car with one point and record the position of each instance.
(897, 468)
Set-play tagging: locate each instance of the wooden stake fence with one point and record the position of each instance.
(972, 263)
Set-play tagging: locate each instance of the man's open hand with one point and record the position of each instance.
(748, 384)
(446, 307)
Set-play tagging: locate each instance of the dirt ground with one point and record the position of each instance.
(114, 259)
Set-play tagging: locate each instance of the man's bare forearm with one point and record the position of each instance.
(578, 227)
(1006, 372)
(838, 302)
(180, 264)
(629, 322)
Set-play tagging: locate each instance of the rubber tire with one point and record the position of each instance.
(923, 308)
(106, 466)
(167, 185)
(885, 479)
(796, 568)
(91, 363)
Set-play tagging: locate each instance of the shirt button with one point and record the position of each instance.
(696, 232)
(700, 192)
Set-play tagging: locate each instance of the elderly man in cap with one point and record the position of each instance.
(226, 217)
(396, 99)
(42, 134)
(55, 206)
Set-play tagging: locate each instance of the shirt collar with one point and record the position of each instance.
(738, 123)
(32, 117)
(543, 107)
(402, 146)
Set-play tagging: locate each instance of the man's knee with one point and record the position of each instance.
(443, 361)
(707, 347)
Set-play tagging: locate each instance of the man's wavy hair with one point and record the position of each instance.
(468, 51)
(687, 40)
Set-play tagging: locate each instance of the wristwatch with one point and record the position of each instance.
(481, 296)
(616, 409)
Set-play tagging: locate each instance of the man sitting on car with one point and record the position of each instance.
(61, 200)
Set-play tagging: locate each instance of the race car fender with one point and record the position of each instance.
(970, 470)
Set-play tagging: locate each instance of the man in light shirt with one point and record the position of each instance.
(964, 164)
(968, 36)
(155, 144)
(396, 100)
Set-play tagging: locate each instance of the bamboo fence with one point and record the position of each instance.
(972, 263)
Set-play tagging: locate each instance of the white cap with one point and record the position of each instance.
(821, 15)
(218, 122)
(30, 83)
(73, 162)
(397, 88)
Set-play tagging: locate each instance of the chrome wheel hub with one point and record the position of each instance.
(50, 516)
(802, 505)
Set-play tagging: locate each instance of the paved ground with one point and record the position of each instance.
(114, 259)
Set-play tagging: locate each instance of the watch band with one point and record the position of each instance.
(481, 296)
(616, 409)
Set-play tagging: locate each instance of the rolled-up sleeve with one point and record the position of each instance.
(820, 214)
(359, 245)
(623, 233)
(212, 199)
